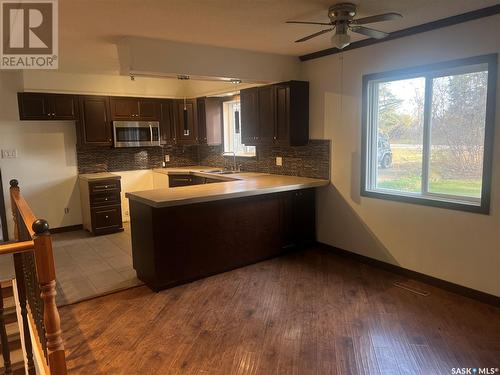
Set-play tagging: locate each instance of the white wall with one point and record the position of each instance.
(107, 84)
(156, 56)
(133, 181)
(46, 163)
(459, 247)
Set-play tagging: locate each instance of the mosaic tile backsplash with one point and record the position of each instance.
(312, 160)
(91, 160)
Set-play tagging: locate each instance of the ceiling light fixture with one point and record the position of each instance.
(341, 40)
(236, 81)
(183, 77)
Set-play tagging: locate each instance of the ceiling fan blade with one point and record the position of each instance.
(313, 35)
(369, 32)
(377, 18)
(310, 23)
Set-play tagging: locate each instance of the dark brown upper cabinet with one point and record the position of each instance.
(292, 113)
(167, 125)
(94, 121)
(210, 121)
(186, 121)
(266, 115)
(41, 106)
(276, 114)
(249, 99)
(134, 109)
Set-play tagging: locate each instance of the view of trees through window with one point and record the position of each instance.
(449, 157)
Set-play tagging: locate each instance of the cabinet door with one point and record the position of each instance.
(186, 119)
(94, 121)
(202, 121)
(213, 121)
(167, 128)
(249, 115)
(106, 219)
(148, 110)
(266, 115)
(63, 107)
(304, 215)
(33, 106)
(124, 109)
(282, 130)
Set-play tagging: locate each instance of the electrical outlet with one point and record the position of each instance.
(127, 213)
(66, 210)
(167, 158)
(279, 161)
(9, 153)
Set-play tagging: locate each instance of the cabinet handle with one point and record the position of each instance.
(107, 217)
(274, 138)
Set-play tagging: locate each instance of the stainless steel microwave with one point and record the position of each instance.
(136, 133)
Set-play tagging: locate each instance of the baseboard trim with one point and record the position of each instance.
(434, 281)
(69, 228)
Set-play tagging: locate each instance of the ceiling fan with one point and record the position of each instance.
(342, 20)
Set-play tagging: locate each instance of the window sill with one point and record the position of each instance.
(479, 206)
(246, 156)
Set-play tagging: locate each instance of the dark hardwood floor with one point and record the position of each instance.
(305, 313)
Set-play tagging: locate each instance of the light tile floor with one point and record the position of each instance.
(87, 266)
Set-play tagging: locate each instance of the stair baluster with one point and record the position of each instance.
(4, 339)
(21, 291)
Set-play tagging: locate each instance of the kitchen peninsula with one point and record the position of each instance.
(180, 234)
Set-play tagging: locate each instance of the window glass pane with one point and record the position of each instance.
(400, 119)
(232, 130)
(457, 134)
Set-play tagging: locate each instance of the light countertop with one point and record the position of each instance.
(237, 185)
(99, 176)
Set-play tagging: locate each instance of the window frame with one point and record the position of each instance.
(226, 102)
(430, 71)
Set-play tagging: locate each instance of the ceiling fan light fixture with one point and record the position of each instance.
(341, 40)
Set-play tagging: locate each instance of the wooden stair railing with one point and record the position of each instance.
(36, 287)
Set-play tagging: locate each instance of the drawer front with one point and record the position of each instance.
(180, 180)
(104, 186)
(212, 180)
(106, 218)
(105, 199)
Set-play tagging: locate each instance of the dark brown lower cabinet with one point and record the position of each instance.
(101, 205)
(175, 245)
(178, 180)
(106, 219)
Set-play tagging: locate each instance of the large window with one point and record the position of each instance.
(428, 134)
(232, 130)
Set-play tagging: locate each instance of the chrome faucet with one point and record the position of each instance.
(234, 167)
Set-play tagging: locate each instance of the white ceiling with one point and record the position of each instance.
(89, 29)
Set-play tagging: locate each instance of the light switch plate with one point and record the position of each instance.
(167, 158)
(9, 153)
(279, 161)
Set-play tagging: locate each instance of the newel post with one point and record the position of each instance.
(45, 268)
(14, 189)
